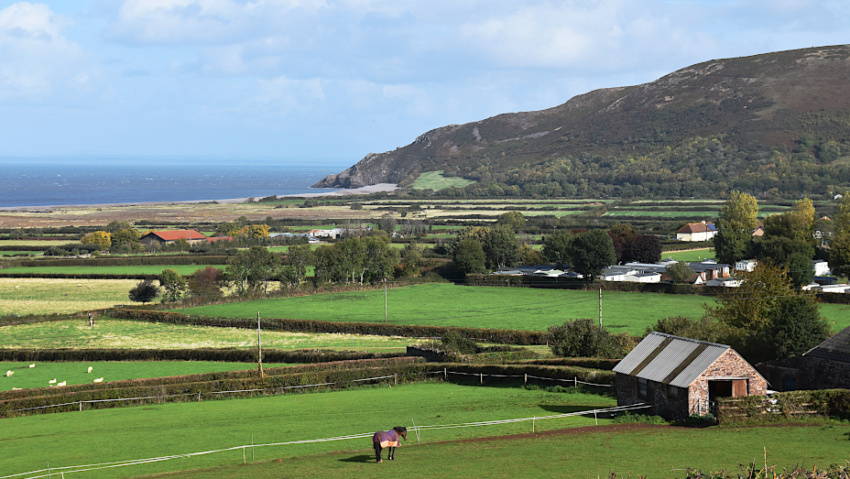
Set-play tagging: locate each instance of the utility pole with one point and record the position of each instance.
(259, 348)
(385, 301)
(600, 306)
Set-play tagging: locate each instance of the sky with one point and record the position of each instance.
(312, 81)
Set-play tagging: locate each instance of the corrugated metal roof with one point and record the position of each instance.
(669, 359)
(174, 235)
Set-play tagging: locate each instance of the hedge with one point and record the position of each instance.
(180, 259)
(554, 372)
(210, 385)
(203, 354)
(590, 363)
(781, 406)
(505, 336)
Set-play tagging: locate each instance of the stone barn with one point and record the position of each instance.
(681, 377)
(827, 365)
(159, 238)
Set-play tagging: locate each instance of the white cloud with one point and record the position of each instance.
(39, 62)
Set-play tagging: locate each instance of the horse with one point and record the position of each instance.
(389, 439)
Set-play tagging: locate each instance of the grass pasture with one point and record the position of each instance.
(97, 436)
(434, 180)
(690, 256)
(73, 373)
(526, 309)
(477, 307)
(58, 296)
(583, 450)
(117, 333)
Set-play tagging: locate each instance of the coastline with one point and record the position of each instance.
(363, 190)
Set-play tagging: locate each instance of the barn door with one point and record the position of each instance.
(739, 387)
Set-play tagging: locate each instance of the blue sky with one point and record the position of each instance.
(313, 81)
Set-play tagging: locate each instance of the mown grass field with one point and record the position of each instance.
(694, 256)
(73, 373)
(434, 180)
(118, 333)
(486, 307)
(92, 437)
(49, 295)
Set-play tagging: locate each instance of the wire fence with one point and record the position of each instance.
(417, 429)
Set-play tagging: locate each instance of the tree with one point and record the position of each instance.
(469, 257)
(294, 270)
(583, 338)
(738, 219)
(254, 232)
(590, 251)
(756, 312)
(387, 223)
(412, 260)
(125, 238)
(501, 248)
(703, 329)
(643, 249)
(621, 234)
(794, 253)
(144, 292)
(842, 219)
(206, 283)
(556, 247)
(797, 326)
(250, 269)
(101, 239)
(797, 223)
(839, 253)
(679, 272)
(512, 219)
(114, 226)
(172, 284)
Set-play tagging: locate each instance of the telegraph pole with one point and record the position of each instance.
(385, 301)
(600, 306)
(259, 348)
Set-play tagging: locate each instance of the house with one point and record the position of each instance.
(746, 265)
(707, 270)
(310, 239)
(697, 232)
(680, 377)
(159, 238)
(821, 267)
(332, 233)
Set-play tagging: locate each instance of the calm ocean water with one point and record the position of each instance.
(28, 182)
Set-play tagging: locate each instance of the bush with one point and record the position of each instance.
(584, 338)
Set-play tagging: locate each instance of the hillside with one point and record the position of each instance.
(773, 124)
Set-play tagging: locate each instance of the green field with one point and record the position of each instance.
(434, 180)
(100, 436)
(476, 307)
(526, 309)
(693, 256)
(73, 373)
(56, 295)
(183, 269)
(117, 333)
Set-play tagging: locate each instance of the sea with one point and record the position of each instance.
(87, 181)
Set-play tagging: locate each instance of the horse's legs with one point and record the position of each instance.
(392, 454)
(378, 452)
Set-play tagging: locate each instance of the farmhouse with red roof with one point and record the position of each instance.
(696, 232)
(159, 238)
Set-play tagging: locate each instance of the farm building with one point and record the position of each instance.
(696, 232)
(825, 366)
(159, 238)
(680, 377)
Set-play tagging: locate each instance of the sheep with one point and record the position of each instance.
(52, 381)
(17, 389)
(90, 368)
(62, 383)
(9, 373)
(32, 365)
(98, 380)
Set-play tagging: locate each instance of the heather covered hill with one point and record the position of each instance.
(776, 124)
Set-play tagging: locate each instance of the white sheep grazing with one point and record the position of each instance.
(90, 368)
(17, 389)
(32, 365)
(98, 380)
(52, 381)
(9, 373)
(62, 383)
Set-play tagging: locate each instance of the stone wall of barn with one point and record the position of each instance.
(668, 402)
(729, 364)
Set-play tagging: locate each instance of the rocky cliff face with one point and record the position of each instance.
(757, 103)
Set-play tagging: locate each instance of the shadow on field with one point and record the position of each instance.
(566, 409)
(360, 458)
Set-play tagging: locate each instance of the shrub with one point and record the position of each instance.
(584, 338)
